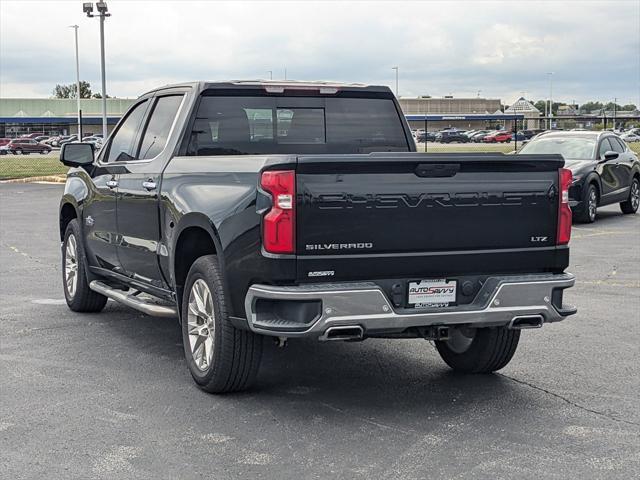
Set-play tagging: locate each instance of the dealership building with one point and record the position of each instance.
(55, 116)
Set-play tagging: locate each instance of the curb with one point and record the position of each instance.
(45, 178)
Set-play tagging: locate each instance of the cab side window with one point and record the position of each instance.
(123, 145)
(157, 133)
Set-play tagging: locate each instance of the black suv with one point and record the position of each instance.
(450, 136)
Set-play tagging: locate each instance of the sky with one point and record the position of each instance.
(498, 49)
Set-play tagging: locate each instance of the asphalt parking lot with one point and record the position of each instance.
(108, 395)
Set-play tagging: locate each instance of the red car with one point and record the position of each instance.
(498, 137)
(18, 146)
(4, 141)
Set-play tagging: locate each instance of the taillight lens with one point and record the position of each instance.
(279, 225)
(564, 211)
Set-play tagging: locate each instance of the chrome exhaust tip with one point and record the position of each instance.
(522, 322)
(342, 333)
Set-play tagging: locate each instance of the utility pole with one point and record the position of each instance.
(270, 74)
(75, 27)
(396, 69)
(615, 100)
(550, 97)
(285, 73)
(102, 13)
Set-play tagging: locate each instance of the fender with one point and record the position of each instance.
(75, 192)
(193, 219)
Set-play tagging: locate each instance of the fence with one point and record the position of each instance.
(37, 165)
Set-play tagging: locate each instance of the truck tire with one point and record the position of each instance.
(631, 204)
(488, 350)
(220, 357)
(79, 297)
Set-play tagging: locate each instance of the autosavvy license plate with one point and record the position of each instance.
(432, 293)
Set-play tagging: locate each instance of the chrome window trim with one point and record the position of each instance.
(100, 163)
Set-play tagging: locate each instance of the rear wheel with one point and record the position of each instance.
(220, 357)
(45, 151)
(17, 151)
(482, 350)
(631, 205)
(79, 297)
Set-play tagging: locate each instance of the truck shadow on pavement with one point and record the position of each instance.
(376, 381)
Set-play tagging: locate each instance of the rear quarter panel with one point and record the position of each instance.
(218, 194)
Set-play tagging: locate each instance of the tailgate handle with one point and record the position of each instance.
(437, 169)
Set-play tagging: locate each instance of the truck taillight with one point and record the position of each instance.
(564, 212)
(279, 224)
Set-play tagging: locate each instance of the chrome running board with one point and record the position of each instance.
(131, 300)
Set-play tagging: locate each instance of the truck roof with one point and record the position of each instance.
(276, 85)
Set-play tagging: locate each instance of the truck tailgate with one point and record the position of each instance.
(426, 214)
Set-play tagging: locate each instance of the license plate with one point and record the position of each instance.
(432, 293)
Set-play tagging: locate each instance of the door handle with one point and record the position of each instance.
(149, 185)
(112, 183)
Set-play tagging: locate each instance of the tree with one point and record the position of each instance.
(99, 95)
(70, 91)
(540, 105)
(629, 107)
(590, 106)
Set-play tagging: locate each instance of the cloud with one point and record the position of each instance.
(442, 48)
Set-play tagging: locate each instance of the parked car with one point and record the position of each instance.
(519, 136)
(249, 226)
(3, 145)
(31, 135)
(62, 138)
(69, 139)
(605, 170)
(423, 136)
(95, 141)
(451, 136)
(479, 135)
(19, 146)
(630, 137)
(41, 138)
(499, 136)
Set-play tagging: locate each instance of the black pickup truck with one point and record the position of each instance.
(253, 209)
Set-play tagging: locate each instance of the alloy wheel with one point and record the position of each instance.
(201, 324)
(592, 204)
(71, 265)
(635, 194)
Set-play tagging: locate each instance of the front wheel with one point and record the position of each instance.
(17, 151)
(590, 205)
(79, 297)
(220, 357)
(481, 350)
(631, 204)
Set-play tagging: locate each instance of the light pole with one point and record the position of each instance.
(102, 13)
(396, 69)
(550, 97)
(75, 27)
(270, 74)
(615, 101)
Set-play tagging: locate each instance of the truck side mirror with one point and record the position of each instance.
(76, 154)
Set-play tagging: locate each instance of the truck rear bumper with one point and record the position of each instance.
(311, 310)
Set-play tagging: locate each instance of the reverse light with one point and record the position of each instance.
(565, 178)
(278, 225)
